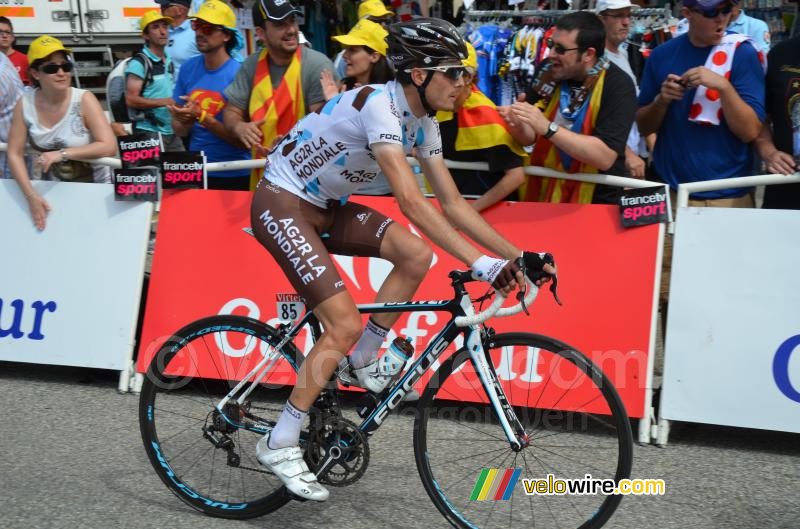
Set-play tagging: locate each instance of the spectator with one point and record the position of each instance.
(19, 60)
(780, 147)
(365, 58)
(64, 124)
(181, 45)
(616, 17)
(10, 90)
(475, 132)
(151, 92)
(201, 84)
(703, 94)
(277, 86)
(374, 11)
(705, 113)
(581, 108)
(752, 27)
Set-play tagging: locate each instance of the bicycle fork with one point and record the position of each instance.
(513, 428)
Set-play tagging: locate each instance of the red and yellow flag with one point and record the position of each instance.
(280, 109)
(480, 125)
(545, 154)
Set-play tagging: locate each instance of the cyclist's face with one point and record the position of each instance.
(359, 62)
(442, 92)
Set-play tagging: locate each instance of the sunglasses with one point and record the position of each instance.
(52, 68)
(713, 13)
(454, 72)
(204, 27)
(558, 48)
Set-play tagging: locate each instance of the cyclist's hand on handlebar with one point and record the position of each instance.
(540, 269)
(502, 274)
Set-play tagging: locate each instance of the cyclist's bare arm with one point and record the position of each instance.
(460, 213)
(393, 163)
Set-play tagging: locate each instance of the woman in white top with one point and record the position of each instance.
(64, 124)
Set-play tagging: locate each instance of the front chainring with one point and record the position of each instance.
(350, 449)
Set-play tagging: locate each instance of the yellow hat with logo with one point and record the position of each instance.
(472, 58)
(150, 17)
(373, 8)
(365, 33)
(216, 12)
(44, 46)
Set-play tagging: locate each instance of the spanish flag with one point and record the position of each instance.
(280, 109)
(480, 126)
(545, 154)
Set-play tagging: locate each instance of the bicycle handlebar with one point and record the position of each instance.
(497, 309)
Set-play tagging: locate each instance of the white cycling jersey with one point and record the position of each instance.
(328, 154)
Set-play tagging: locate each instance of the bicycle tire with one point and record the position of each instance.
(189, 374)
(445, 434)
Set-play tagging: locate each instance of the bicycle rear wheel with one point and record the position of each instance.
(574, 419)
(207, 458)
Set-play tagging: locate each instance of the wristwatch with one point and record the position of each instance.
(552, 128)
(64, 155)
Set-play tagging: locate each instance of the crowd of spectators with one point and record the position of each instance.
(702, 106)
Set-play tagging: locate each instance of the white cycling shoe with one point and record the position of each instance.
(373, 377)
(288, 464)
(370, 377)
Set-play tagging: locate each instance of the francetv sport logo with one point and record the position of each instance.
(498, 484)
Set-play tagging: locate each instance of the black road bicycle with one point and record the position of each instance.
(209, 396)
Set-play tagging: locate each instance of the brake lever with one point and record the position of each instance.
(554, 288)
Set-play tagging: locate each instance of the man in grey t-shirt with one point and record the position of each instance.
(249, 114)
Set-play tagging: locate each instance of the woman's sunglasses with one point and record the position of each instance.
(52, 68)
(204, 27)
(558, 48)
(453, 72)
(713, 13)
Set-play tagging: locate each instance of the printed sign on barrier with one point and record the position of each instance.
(69, 295)
(648, 205)
(140, 150)
(733, 333)
(136, 184)
(206, 264)
(183, 170)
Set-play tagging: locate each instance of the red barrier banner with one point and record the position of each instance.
(205, 263)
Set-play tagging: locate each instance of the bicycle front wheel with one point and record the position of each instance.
(205, 457)
(574, 420)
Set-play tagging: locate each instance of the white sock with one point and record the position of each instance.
(287, 431)
(366, 350)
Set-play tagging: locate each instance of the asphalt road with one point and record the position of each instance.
(72, 457)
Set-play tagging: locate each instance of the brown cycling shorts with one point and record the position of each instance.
(301, 237)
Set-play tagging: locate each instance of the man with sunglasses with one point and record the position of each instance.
(579, 113)
(149, 81)
(705, 120)
(303, 197)
(199, 94)
(181, 45)
(276, 86)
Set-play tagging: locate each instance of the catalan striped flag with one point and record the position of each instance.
(495, 484)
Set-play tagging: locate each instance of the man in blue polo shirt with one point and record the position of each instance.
(181, 45)
(690, 148)
(149, 82)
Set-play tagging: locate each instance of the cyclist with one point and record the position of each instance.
(300, 213)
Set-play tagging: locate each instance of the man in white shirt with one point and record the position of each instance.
(616, 17)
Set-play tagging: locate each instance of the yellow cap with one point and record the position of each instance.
(472, 58)
(216, 12)
(365, 33)
(44, 46)
(373, 8)
(150, 17)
